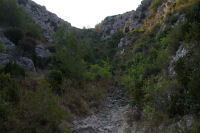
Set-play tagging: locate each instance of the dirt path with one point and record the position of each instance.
(110, 118)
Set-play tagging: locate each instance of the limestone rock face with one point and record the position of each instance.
(137, 19)
(48, 21)
(181, 52)
(124, 22)
(42, 52)
(112, 24)
(124, 42)
(26, 63)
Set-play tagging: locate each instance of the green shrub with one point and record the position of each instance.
(187, 69)
(174, 39)
(194, 86)
(181, 104)
(2, 47)
(34, 30)
(55, 76)
(14, 69)
(55, 79)
(14, 35)
(90, 76)
(172, 19)
(17, 17)
(9, 90)
(193, 13)
(10, 13)
(4, 109)
(40, 111)
(69, 54)
(193, 34)
(98, 72)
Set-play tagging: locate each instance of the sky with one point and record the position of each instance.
(88, 13)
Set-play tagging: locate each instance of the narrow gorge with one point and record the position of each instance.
(137, 72)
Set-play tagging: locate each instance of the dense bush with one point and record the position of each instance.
(16, 16)
(2, 47)
(69, 54)
(188, 72)
(34, 111)
(14, 34)
(55, 79)
(174, 39)
(9, 91)
(98, 72)
(14, 70)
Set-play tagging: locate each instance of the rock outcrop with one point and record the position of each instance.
(42, 52)
(181, 52)
(137, 19)
(26, 63)
(112, 24)
(10, 55)
(124, 22)
(48, 21)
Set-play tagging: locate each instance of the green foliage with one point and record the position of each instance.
(194, 86)
(181, 104)
(2, 47)
(105, 50)
(14, 70)
(193, 13)
(55, 76)
(188, 72)
(34, 30)
(98, 72)
(55, 79)
(174, 38)
(148, 112)
(18, 21)
(23, 110)
(192, 23)
(172, 19)
(44, 114)
(69, 54)
(193, 33)
(13, 12)
(9, 91)
(14, 34)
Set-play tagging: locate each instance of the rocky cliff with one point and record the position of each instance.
(124, 22)
(48, 21)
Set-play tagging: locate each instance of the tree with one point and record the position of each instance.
(69, 54)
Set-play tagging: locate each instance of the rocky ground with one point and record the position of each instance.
(114, 117)
(108, 119)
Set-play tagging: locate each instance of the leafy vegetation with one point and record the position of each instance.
(147, 77)
(2, 47)
(17, 21)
